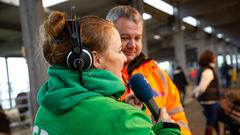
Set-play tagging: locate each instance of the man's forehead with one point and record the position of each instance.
(129, 20)
(129, 34)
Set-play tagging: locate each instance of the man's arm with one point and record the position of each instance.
(174, 106)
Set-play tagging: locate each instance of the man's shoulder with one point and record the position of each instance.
(152, 65)
(149, 64)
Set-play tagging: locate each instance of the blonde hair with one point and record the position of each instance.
(56, 43)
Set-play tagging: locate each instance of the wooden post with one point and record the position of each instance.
(31, 12)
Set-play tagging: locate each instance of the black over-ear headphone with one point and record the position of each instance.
(79, 58)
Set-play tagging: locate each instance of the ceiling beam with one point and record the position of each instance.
(232, 25)
(157, 14)
(9, 26)
(11, 48)
(197, 8)
(4, 5)
(222, 17)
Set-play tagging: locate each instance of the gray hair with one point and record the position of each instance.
(124, 11)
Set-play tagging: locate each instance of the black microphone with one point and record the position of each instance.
(143, 91)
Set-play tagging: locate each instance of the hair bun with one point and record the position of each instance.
(55, 24)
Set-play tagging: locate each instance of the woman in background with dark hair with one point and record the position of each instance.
(208, 92)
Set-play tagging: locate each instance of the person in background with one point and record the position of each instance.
(89, 107)
(193, 74)
(234, 77)
(208, 90)
(226, 78)
(22, 104)
(129, 24)
(181, 82)
(4, 123)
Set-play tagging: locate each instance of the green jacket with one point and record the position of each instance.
(67, 108)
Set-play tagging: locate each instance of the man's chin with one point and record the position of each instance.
(130, 58)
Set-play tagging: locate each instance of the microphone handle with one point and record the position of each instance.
(153, 108)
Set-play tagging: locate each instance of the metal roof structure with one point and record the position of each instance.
(222, 15)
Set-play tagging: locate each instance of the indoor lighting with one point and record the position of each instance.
(190, 20)
(157, 37)
(208, 29)
(160, 5)
(219, 35)
(183, 27)
(46, 3)
(227, 39)
(11, 2)
(146, 16)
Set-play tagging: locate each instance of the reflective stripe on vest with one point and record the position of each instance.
(163, 81)
(175, 110)
(183, 124)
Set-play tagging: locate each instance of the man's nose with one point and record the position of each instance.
(131, 43)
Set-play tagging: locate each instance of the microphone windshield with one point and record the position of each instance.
(142, 90)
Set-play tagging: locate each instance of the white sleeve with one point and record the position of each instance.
(206, 77)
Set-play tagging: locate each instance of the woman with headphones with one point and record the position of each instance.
(80, 96)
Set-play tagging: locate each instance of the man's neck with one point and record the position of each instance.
(126, 65)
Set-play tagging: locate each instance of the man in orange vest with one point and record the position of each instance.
(129, 23)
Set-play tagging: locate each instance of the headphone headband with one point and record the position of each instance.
(80, 57)
(74, 32)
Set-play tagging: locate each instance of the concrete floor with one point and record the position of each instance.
(22, 131)
(194, 114)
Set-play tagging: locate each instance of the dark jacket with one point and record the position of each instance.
(180, 80)
(212, 92)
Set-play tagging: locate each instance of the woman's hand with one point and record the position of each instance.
(132, 100)
(163, 117)
(196, 92)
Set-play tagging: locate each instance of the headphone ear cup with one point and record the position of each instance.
(87, 57)
(84, 61)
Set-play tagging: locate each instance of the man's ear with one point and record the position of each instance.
(96, 59)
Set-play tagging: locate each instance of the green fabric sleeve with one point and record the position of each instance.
(166, 128)
(134, 122)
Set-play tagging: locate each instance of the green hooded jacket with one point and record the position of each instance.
(67, 108)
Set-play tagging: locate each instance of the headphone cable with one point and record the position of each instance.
(80, 76)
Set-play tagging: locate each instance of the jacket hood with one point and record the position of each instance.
(62, 91)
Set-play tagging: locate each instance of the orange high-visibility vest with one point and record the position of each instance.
(166, 93)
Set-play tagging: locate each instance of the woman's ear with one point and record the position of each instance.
(96, 60)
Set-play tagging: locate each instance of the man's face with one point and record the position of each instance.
(131, 37)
